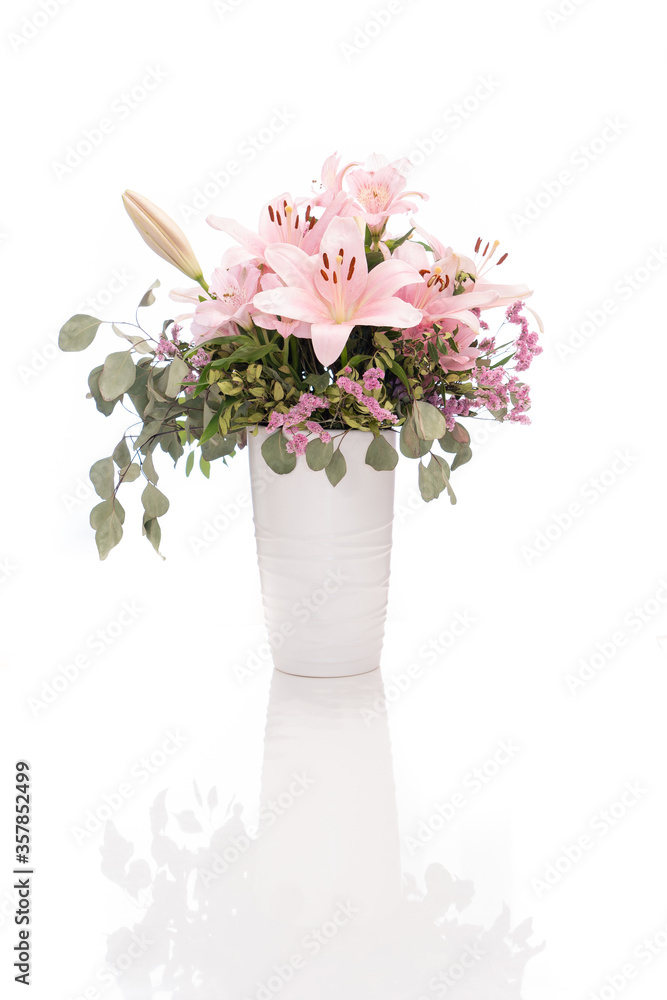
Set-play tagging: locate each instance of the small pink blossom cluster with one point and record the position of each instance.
(527, 346)
(495, 393)
(356, 389)
(165, 349)
(373, 378)
(454, 408)
(299, 416)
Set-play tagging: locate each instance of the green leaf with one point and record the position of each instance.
(138, 393)
(140, 344)
(155, 503)
(130, 472)
(399, 373)
(276, 455)
(153, 533)
(109, 533)
(434, 478)
(393, 244)
(102, 477)
(464, 455)
(218, 446)
(381, 455)
(178, 369)
(449, 443)
(78, 332)
(148, 468)
(318, 454)
(118, 375)
(410, 444)
(103, 511)
(336, 468)
(94, 385)
(429, 421)
(189, 463)
(212, 426)
(121, 454)
(318, 383)
(148, 298)
(373, 258)
(205, 467)
(382, 340)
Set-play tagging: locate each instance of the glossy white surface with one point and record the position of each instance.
(324, 557)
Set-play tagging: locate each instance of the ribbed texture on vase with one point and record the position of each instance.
(324, 559)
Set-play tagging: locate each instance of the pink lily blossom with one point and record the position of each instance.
(332, 179)
(234, 289)
(282, 220)
(334, 290)
(379, 191)
(434, 295)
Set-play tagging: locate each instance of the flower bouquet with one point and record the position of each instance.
(320, 323)
(322, 341)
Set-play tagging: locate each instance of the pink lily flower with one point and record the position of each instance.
(285, 327)
(282, 220)
(334, 290)
(234, 289)
(379, 191)
(332, 179)
(434, 295)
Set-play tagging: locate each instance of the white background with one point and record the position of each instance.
(520, 94)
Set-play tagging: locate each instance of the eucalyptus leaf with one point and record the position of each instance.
(318, 454)
(148, 468)
(108, 534)
(189, 463)
(178, 369)
(148, 298)
(118, 375)
(276, 455)
(153, 533)
(103, 511)
(102, 477)
(94, 385)
(78, 332)
(121, 454)
(219, 446)
(205, 466)
(380, 455)
(130, 472)
(449, 443)
(464, 455)
(140, 344)
(336, 468)
(429, 422)
(411, 445)
(154, 502)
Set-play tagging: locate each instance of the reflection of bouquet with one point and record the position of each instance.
(203, 933)
(320, 323)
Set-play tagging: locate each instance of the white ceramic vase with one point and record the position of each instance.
(324, 558)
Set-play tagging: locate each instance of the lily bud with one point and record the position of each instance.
(162, 234)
